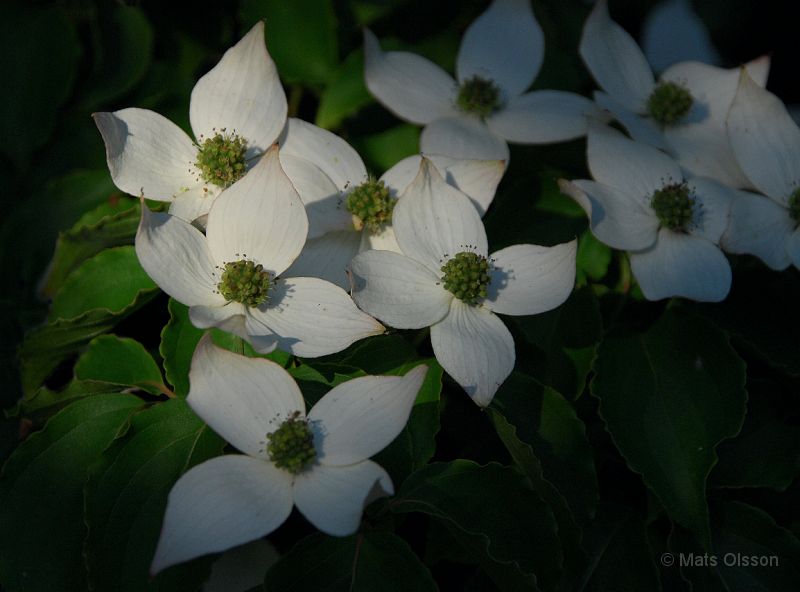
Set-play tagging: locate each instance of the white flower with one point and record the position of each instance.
(766, 142)
(237, 111)
(640, 202)
(319, 462)
(228, 277)
(500, 56)
(442, 239)
(349, 213)
(673, 32)
(683, 113)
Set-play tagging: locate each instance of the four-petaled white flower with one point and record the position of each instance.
(446, 279)
(640, 202)
(766, 142)
(237, 111)
(500, 56)
(228, 277)
(347, 211)
(319, 462)
(683, 113)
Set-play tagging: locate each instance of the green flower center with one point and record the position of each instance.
(466, 276)
(669, 102)
(245, 282)
(291, 446)
(371, 203)
(794, 205)
(479, 96)
(674, 206)
(221, 159)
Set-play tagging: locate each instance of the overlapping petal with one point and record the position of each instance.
(242, 399)
(327, 257)
(529, 279)
(413, 88)
(361, 417)
(543, 116)
(618, 218)
(462, 137)
(398, 290)
(195, 203)
(505, 44)
(615, 60)
(434, 221)
(259, 218)
(175, 255)
(221, 503)
(713, 206)
(311, 317)
(241, 94)
(333, 498)
(640, 128)
(474, 346)
(148, 155)
(765, 140)
(759, 226)
(682, 265)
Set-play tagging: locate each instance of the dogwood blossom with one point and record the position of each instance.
(683, 113)
(766, 142)
(444, 278)
(229, 276)
(640, 202)
(318, 462)
(237, 111)
(501, 54)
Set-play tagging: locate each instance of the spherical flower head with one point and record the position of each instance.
(221, 158)
(794, 205)
(246, 282)
(467, 277)
(372, 204)
(669, 102)
(674, 206)
(291, 446)
(479, 96)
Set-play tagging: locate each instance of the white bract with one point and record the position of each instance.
(445, 278)
(500, 56)
(673, 32)
(229, 276)
(641, 203)
(683, 113)
(237, 111)
(766, 142)
(347, 211)
(318, 462)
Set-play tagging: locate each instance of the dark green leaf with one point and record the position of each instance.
(383, 150)
(301, 37)
(111, 224)
(127, 493)
(44, 400)
(119, 360)
(39, 54)
(620, 557)
(365, 562)
(668, 397)
(41, 494)
(345, 94)
(490, 510)
(593, 258)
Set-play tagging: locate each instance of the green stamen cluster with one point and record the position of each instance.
(669, 102)
(371, 203)
(794, 205)
(674, 206)
(478, 96)
(245, 282)
(291, 446)
(221, 159)
(466, 276)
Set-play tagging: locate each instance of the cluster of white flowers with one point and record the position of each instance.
(680, 189)
(277, 234)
